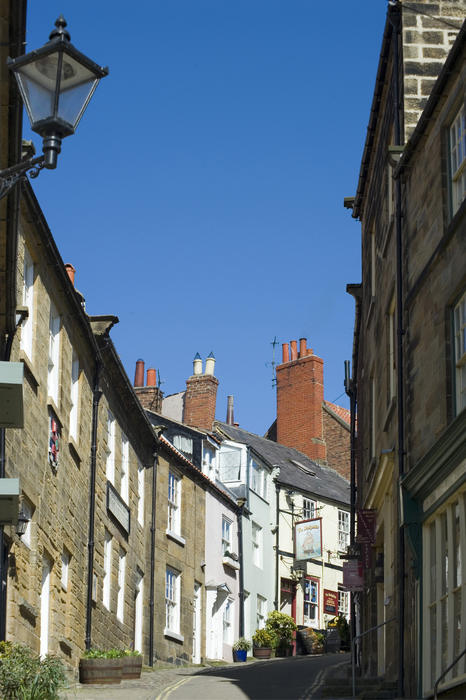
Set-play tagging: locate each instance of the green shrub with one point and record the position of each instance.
(24, 676)
(108, 653)
(262, 639)
(281, 626)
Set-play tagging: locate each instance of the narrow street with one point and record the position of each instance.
(299, 678)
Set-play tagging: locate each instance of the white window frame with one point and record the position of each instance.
(184, 445)
(75, 371)
(65, 568)
(261, 611)
(124, 481)
(311, 603)
(343, 602)
(141, 482)
(343, 530)
(226, 535)
(459, 333)
(28, 511)
(174, 504)
(172, 602)
(444, 591)
(53, 375)
(121, 585)
(309, 509)
(110, 466)
(228, 620)
(106, 583)
(26, 342)
(230, 464)
(457, 138)
(258, 478)
(256, 539)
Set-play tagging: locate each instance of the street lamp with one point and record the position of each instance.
(56, 83)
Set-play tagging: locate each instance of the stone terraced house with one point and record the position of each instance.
(409, 351)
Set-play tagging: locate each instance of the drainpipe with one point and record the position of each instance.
(241, 503)
(96, 396)
(158, 429)
(277, 543)
(395, 19)
(152, 559)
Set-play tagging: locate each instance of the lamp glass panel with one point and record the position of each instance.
(73, 101)
(38, 80)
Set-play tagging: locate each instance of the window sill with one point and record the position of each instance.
(30, 371)
(51, 404)
(173, 635)
(74, 451)
(228, 561)
(176, 538)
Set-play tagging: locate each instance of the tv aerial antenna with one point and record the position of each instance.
(273, 364)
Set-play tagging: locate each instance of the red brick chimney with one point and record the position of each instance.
(300, 397)
(150, 395)
(201, 395)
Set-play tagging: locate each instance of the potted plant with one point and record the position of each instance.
(262, 644)
(132, 664)
(97, 666)
(282, 628)
(240, 649)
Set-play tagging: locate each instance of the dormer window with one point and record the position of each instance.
(230, 464)
(184, 445)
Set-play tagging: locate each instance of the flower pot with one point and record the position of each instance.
(104, 671)
(240, 654)
(132, 666)
(262, 652)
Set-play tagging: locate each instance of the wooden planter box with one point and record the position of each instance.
(103, 671)
(284, 650)
(262, 652)
(132, 666)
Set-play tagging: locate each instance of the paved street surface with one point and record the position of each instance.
(297, 678)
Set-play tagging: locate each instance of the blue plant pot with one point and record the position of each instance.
(240, 655)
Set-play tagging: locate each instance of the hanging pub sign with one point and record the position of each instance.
(308, 539)
(353, 577)
(330, 602)
(367, 518)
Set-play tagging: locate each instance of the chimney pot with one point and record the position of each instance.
(71, 272)
(302, 347)
(139, 373)
(294, 350)
(230, 416)
(285, 352)
(197, 364)
(210, 364)
(151, 377)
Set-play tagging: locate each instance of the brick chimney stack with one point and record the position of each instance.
(150, 395)
(300, 397)
(201, 395)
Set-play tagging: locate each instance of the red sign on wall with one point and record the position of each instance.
(330, 602)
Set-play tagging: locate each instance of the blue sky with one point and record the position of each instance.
(201, 199)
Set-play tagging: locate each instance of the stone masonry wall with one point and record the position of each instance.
(429, 30)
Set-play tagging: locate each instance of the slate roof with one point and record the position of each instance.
(296, 469)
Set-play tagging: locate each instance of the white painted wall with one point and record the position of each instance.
(219, 578)
(328, 571)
